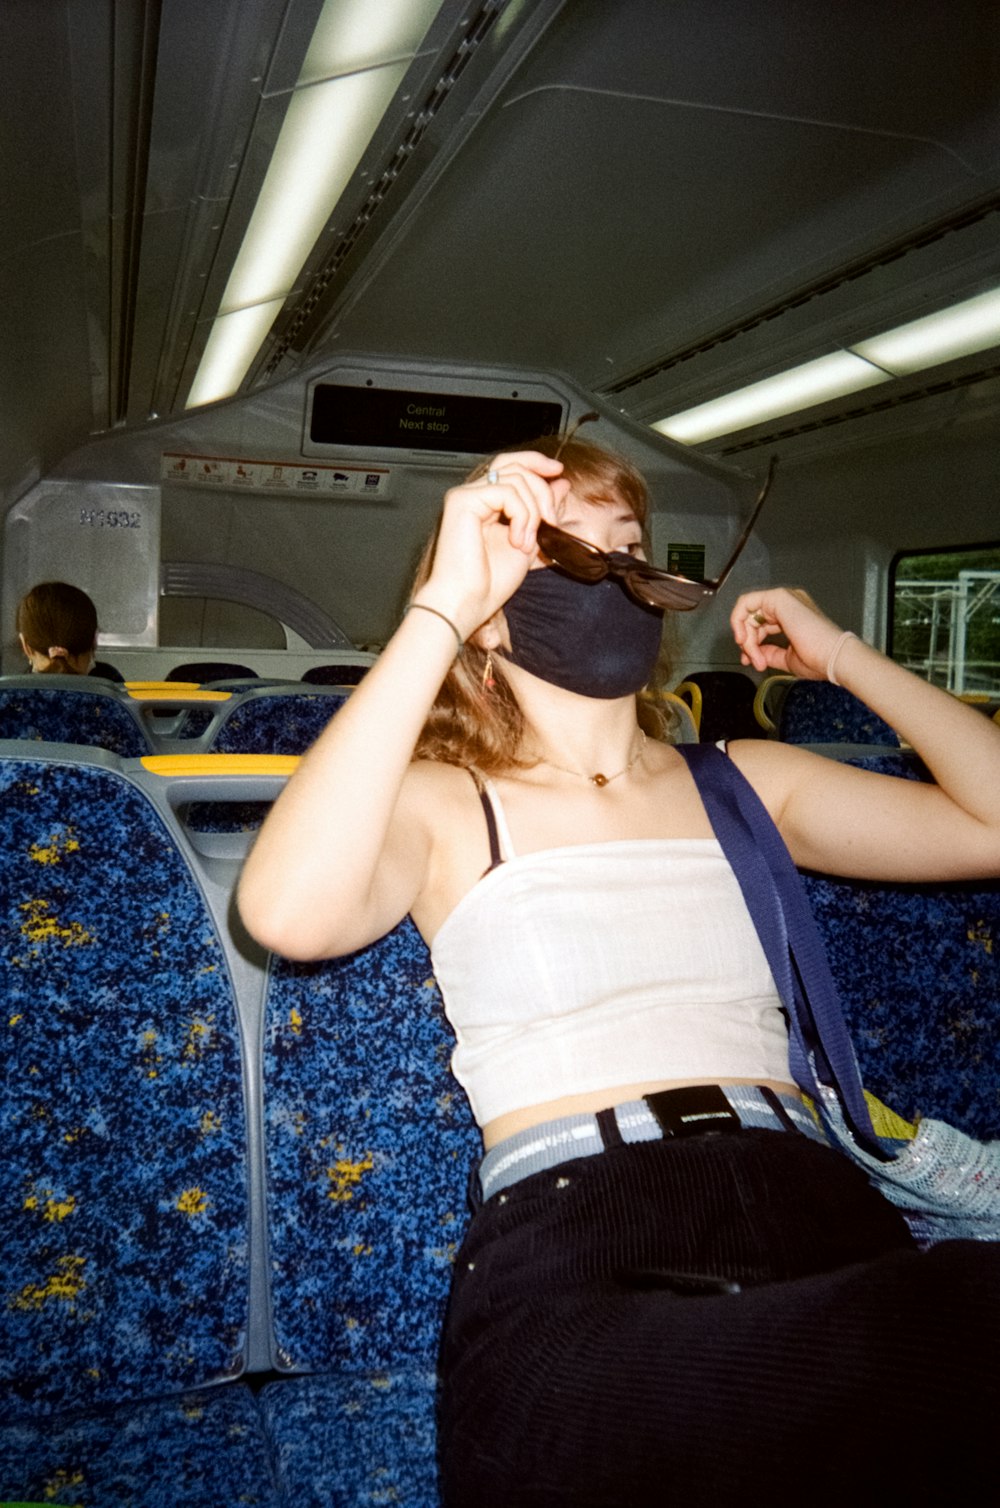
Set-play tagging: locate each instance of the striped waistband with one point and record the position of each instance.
(672, 1113)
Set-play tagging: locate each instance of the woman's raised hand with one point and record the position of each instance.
(811, 636)
(486, 541)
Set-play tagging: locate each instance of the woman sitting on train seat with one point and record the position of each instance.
(639, 1317)
(57, 627)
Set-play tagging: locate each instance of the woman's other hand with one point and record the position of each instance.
(486, 541)
(760, 619)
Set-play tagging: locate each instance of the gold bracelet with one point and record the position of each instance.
(427, 609)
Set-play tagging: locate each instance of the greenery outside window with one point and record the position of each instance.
(945, 618)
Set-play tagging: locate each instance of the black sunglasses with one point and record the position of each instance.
(646, 583)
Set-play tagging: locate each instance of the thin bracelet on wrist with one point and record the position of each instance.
(426, 608)
(834, 652)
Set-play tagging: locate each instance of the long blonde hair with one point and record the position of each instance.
(476, 719)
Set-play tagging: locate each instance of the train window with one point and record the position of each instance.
(945, 617)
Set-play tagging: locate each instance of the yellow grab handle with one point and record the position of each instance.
(221, 764)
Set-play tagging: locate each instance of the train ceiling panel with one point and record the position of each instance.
(656, 172)
(659, 199)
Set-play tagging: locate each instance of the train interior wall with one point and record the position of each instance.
(838, 513)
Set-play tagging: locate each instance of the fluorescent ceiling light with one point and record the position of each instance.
(325, 132)
(328, 125)
(962, 330)
(233, 342)
(802, 387)
(354, 34)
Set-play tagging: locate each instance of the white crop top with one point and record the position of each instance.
(601, 964)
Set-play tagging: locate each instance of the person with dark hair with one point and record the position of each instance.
(57, 627)
(672, 1290)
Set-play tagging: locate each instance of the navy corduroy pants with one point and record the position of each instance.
(709, 1321)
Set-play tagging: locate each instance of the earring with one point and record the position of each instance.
(488, 681)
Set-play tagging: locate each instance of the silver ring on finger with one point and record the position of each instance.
(493, 476)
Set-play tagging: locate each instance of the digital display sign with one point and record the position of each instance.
(372, 418)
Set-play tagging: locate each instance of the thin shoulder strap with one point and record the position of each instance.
(486, 795)
(820, 1048)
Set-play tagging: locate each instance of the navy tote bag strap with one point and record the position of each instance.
(781, 913)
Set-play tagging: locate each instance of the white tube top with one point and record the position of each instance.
(602, 964)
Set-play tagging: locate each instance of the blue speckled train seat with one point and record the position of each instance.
(59, 709)
(200, 725)
(122, 1130)
(123, 1140)
(204, 1449)
(354, 1441)
(918, 969)
(369, 1145)
(276, 720)
(816, 712)
(269, 720)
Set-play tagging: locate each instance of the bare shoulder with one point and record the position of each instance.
(435, 781)
(457, 839)
(775, 770)
(435, 795)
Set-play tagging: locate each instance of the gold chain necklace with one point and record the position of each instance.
(597, 778)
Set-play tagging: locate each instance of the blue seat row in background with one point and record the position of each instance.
(253, 716)
(234, 718)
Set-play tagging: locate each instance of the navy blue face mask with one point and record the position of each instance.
(587, 637)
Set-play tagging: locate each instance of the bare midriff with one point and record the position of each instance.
(498, 1130)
